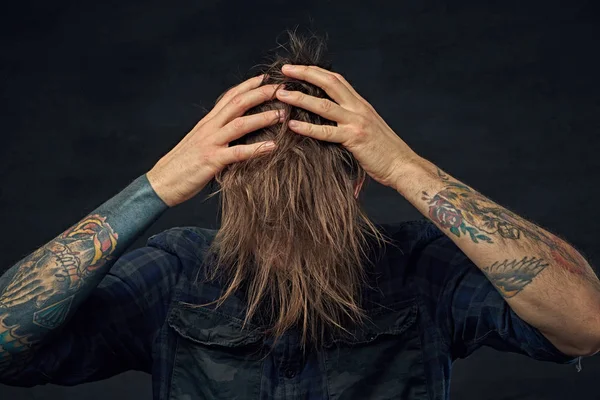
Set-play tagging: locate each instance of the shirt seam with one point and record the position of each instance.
(428, 385)
(443, 332)
(174, 369)
(469, 345)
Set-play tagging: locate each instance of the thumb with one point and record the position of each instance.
(244, 152)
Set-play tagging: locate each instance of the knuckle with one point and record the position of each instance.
(327, 131)
(332, 78)
(302, 70)
(326, 104)
(238, 153)
(360, 135)
(361, 123)
(338, 75)
(236, 99)
(238, 122)
(331, 81)
(364, 109)
(265, 92)
(229, 94)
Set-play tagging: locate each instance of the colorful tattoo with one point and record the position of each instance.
(53, 316)
(510, 277)
(55, 271)
(11, 343)
(41, 291)
(63, 264)
(463, 210)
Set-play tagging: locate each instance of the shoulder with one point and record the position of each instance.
(411, 236)
(423, 256)
(184, 241)
(395, 270)
(187, 243)
(424, 242)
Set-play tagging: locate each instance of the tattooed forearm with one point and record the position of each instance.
(41, 292)
(464, 211)
(510, 277)
(543, 279)
(12, 344)
(63, 264)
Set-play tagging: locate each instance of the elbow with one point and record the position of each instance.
(592, 344)
(572, 351)
(587, 352)
(592, 349)
(580, 348)
(588, 348)
(580, 338)
(578, 351)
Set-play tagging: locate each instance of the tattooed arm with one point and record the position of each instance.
(543, 279)
(40, 293)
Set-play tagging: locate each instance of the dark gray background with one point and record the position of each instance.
(501, 94)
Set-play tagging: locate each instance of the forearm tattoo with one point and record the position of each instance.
(40, 293)
(46, 281)
(63, 264)
(510, 277)
(466, 212)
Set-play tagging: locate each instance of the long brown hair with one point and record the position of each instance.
(293, 236)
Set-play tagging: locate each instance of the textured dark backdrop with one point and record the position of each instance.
(503, 95)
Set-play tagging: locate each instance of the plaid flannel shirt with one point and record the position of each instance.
(431, 305)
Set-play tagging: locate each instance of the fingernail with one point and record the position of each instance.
(269, 145)
(293, 124)
(288, 67)
(283, 92)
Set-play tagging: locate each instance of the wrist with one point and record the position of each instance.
(161, 188)
(131, 211)
(408, 167)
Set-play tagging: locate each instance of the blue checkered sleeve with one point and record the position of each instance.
(469, 310)
(113, 329)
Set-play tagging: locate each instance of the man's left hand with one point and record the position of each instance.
(359, 128)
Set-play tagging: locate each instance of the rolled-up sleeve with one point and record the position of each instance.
(468, 309)
(112, 330)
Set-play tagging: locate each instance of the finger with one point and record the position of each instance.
(345, 83)
(243, 87)
(328, 133)
(326, 81)
(249, 123)
(320, 106)
(339, 76)
(241, 103)
(222, 100)
(351, 89)
(243, 152)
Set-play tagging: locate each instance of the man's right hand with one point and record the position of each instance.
(203, 152)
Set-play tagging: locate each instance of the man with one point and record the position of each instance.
(78, 310)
